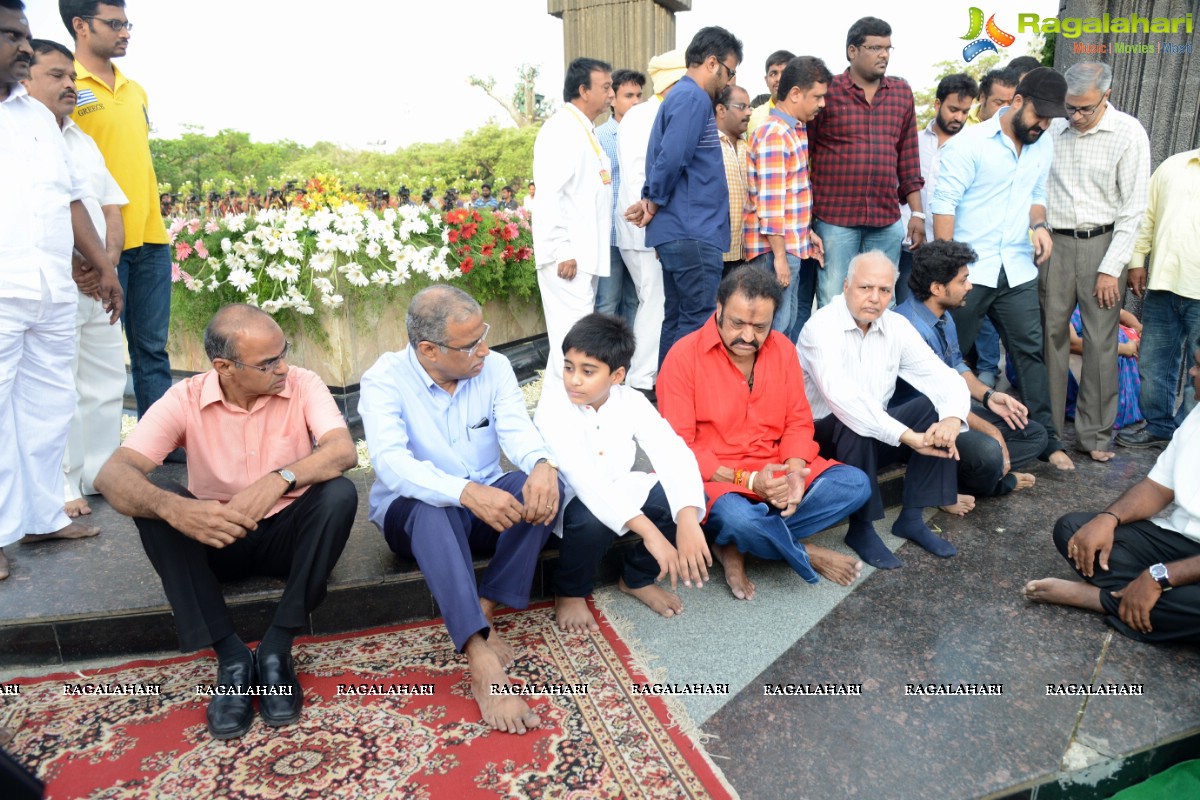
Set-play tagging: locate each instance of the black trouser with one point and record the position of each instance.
(980, 461)
(301, 543)
(586, 539)
(929, 480)
(1137, 545)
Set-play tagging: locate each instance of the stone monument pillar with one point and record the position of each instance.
(1159, 87)
(625, 33)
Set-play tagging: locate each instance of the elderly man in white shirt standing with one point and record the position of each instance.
(852, 351)
(41, 214)
(1096, 195)
(572, 213)
(99, 365)
(633, 137)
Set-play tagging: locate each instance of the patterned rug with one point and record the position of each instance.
(425, 740)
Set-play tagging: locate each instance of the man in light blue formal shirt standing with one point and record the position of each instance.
(436, 415)
(991, 194)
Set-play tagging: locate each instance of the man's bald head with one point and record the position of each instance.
(229, 324)
(435, 307)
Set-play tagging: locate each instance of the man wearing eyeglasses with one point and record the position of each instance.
(864, 154)
(1096, 196)
(436, 415)
(113, 110)
(733, 115)
(261, 500)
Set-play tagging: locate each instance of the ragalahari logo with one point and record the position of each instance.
(995, 36)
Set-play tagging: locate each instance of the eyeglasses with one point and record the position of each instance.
(738, 106)
(116, 24)
(731, 73)
(878, 48)
(1085, 111)
(469, 349)
(270, 364)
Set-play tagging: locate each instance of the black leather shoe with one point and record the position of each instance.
(231, 711)
(281, 697)
(1141, 438)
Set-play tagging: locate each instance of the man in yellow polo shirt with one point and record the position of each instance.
(113, 110)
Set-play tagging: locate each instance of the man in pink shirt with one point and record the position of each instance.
(261, 500)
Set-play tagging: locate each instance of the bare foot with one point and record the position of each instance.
(3, 565)
(573, 615)
(659, 599)
(964, 506)
(734, 564)
(1065, 593)
(503, 650)
(77, 507)
(500, 712)
(1061, 460)
(1102, 455)
(73, 531)
(841, 569)
(1024, 481)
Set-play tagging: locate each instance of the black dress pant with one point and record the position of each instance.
(929, 480)
(301, 543)
(1137, 545)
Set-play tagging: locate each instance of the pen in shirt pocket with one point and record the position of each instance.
(483, 423)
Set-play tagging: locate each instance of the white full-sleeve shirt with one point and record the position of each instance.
(596, 449)
(38, 183)
(102, 189)
(853, 375)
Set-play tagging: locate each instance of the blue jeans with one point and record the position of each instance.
(757, 527)
(691, 272)
(987, 349)
(1170, 334)
(145, 275)
(785, 315)
(617, 294)
(843, 244)
(904, 265)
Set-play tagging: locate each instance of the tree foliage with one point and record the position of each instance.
(197, 162)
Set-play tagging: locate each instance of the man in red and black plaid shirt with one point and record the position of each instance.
(864, 154)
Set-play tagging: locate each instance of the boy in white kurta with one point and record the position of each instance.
(594, 425)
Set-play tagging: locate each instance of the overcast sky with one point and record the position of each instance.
(359, 72)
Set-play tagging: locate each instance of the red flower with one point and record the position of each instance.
(469, 230)
(487, 249)
(464, 249)
(508, 253)
(452, 235)
(495, 232)
(475, 215)
(467, 265)
(510, 231)
(524, 254)
(457, 215)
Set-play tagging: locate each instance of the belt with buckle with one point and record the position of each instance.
(1083, 234)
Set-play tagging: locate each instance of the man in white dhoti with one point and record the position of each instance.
(572, 215)
(41, 215)
(99, 366)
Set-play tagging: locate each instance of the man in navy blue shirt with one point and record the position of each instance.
(1001, 435)
(685, 200)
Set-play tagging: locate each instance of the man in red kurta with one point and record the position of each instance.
(735, 393)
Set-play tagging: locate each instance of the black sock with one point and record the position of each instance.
(277, 640)
(231, 649)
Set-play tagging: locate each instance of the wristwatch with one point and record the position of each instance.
(548, 462)
(288, 476)
(1159, 573)
(1039, 225)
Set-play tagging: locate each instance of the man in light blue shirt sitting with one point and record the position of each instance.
(990, 194)
(436, 415)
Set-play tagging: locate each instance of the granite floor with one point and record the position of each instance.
(960, 620)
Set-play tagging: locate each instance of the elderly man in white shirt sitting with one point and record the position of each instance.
(99, 364)
(852, 351)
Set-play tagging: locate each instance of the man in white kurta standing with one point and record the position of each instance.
(41, 214)
(99, 366)
(572, 219)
